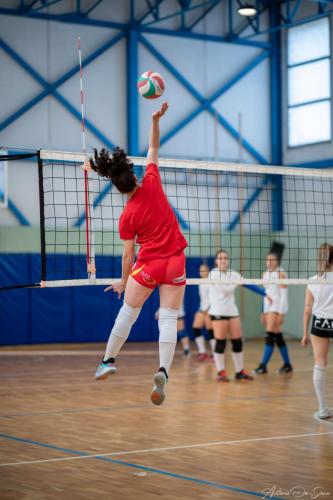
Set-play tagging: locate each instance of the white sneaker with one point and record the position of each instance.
(324, 413)
(158, 395)
(104, 370)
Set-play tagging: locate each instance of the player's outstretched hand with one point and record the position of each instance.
(158, 114)
(118, 288)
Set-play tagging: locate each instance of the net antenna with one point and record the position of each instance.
(89, 207)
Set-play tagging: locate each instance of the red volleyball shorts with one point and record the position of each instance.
(169, 271)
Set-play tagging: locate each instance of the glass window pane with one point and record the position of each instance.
(310, 124)
(309, 82)
(309, 41)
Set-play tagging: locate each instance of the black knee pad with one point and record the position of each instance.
(280, 342)
(196, 332)
(220, 346)
(270, 338)
(210, 334)
(237, 345)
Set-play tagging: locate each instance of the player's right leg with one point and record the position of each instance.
(171, 298)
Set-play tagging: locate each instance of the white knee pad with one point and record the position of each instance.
(167, 325)
(126, 318)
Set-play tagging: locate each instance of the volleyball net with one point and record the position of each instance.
(243, 209)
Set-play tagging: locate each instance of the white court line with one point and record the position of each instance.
(170, 448)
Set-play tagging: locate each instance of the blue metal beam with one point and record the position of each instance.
(92, 7)
(204, 14)
(51, 88)
(152, 10)
(73, 18)
(327, 163)
(16, 211)
(202, 36)
(249, 202)
(253, 63)
(132, 94)
(294, 11)
(181, 12)
(204, 102)
(290, 25)
(276, 118)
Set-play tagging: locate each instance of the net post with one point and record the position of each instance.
(41, 218)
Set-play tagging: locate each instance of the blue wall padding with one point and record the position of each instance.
(71, 314)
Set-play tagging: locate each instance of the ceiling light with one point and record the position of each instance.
(247, 10)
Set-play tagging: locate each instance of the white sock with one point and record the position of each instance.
(212, 343)
(121, 329)
(167, 325)
(238, 360)
(319, 373)
(200, 341)
(219, 361)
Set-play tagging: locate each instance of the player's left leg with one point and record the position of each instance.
(237, 349)
(183, 337)
(281, 343)
(210, 333)
(320, 347)
(198, 323)
(135, 296)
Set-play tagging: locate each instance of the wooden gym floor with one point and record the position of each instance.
(63, 435)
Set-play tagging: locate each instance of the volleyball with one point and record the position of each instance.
(151, 85)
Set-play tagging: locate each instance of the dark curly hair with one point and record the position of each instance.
(116, 167)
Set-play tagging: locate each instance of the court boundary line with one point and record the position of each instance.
(82, 455)
(141, 467)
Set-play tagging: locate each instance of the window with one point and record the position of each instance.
(309, 83)
(3, 181)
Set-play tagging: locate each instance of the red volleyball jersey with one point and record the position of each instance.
(149, 218)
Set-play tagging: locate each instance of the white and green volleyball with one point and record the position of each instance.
(151, 85)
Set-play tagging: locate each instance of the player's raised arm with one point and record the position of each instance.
(154, 135)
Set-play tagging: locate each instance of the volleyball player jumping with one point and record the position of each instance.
(149, 221)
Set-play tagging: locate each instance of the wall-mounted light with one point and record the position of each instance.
(247, 10)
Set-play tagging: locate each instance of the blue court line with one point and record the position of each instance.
(140, 467)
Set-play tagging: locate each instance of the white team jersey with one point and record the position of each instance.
(204, 297)
(275, 293)
(222, 297)
(323, 297)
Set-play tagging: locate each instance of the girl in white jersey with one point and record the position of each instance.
(273, 315)
(202, 319)
(224, 314)
(319, 303)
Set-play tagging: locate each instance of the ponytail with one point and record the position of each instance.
(325, 258)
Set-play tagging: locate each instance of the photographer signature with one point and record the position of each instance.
(295, 492)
